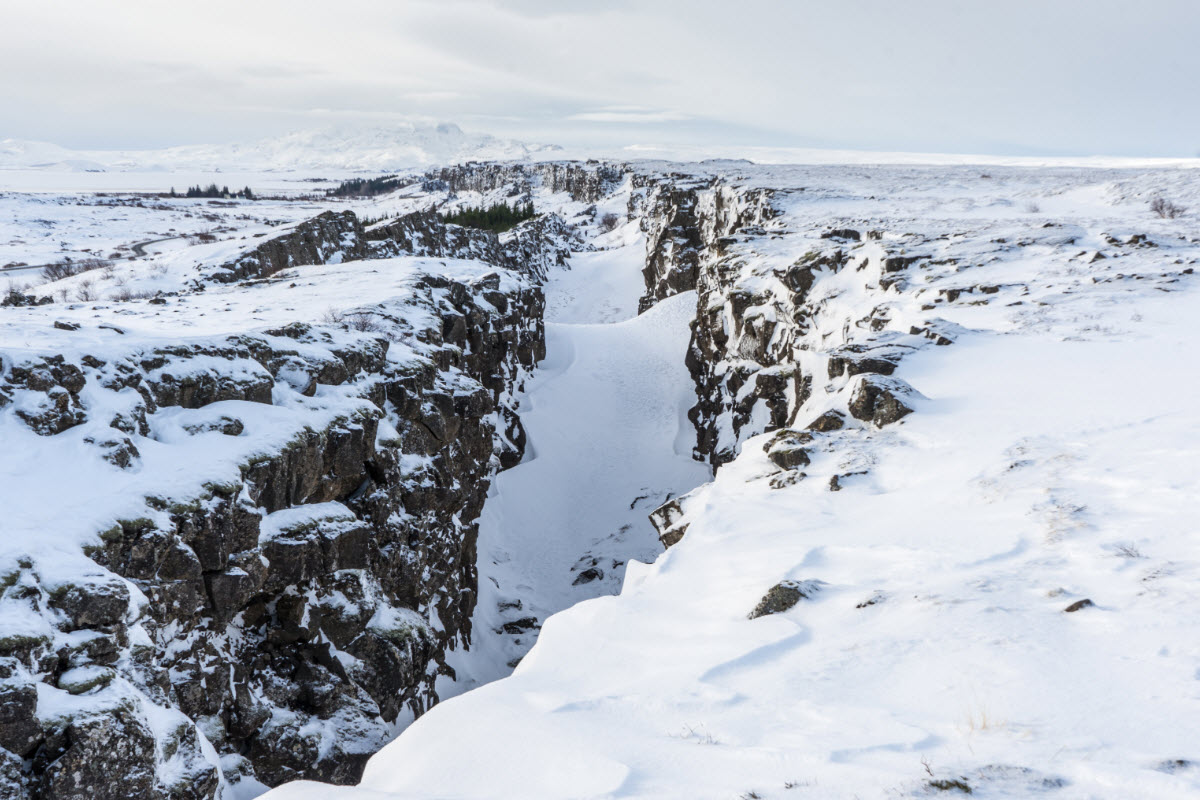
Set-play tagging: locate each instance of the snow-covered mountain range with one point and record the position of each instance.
(376, 149)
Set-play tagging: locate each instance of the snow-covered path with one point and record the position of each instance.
(608, 441)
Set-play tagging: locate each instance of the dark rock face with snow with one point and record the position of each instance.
(585, 182)
(293, 612)
(538, 245)
(316, 241)
(688, 224)
(425, 234)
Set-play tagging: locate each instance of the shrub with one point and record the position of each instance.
(68, 269)
(609, 221)
(1166, 209)
(363, 321)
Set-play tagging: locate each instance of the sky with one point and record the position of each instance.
(1005, 77)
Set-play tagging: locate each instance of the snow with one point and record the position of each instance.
(402, 146)
(608, 441)
(1051, 459)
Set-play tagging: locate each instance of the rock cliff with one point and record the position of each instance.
(280, 621)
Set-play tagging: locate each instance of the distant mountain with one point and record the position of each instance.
(377, 149)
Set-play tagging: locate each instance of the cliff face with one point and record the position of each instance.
(688, 221)
(423, 233)
(300, 602)
(331, 237)
(585, 182)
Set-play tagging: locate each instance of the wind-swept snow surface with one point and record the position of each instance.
(608, 441)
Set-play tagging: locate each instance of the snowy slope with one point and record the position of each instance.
(1050, 460)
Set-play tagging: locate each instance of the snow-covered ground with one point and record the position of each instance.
(1051, 460)
(609, 441)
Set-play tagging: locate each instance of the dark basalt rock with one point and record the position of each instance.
(100, 604)
(20, 732)
(521, 625)
(424, 233)
(881, 400)
(103, 757)
(787, 449)
(829, 421)
(236, 379)
(59, 381)
(854, 360)
(314, 241)
(783, 596)
(15, 299)
(237, 628)
(842, 233)
(118, 451)
(667, 519)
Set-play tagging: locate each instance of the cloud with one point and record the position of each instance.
(628, 115)
(1072, 76)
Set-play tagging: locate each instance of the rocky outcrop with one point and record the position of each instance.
(538, 245)
(784, 596)
(424, 233)
(585, 182)
(330, 238)
(766, 334)
(881, 400)
(290, 615)
(688, 222)
(531, 248)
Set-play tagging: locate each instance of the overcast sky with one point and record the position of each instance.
(1072, 77)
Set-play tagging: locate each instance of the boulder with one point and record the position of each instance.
(105, 757)
(20, 732)
(829, 421)
(786, 449)
(881, 399)
(785, 595)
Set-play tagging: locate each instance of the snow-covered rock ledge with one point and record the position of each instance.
(239, 524)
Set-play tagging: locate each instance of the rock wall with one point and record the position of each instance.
(423, 233)
(288, 616)
(585, 182)
(530, 248)
(333, 234)
(688, 222)
(761, 339)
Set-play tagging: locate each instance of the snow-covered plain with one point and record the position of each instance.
(401, 146)
(1052, 459)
